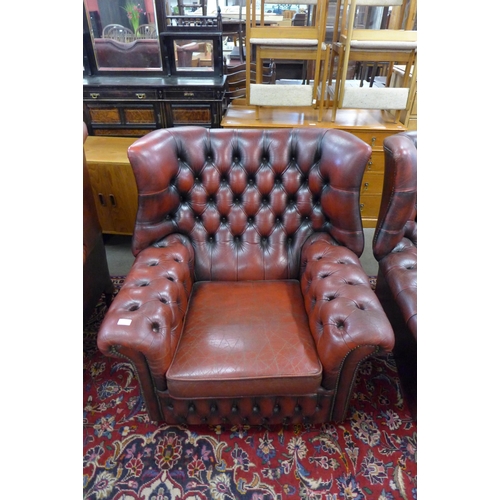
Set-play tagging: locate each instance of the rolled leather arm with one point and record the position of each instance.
(145, 319)
(344, 312)
(399, 270)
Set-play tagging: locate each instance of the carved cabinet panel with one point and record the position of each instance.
(111, 109)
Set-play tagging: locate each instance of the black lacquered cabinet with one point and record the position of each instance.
(164, 71)
(192, 101)
(116, 106)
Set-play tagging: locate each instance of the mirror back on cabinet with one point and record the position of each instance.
(122, 35)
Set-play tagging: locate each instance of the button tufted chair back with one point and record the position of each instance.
(247, 200)
(247, 302)
(395, 248)
(397, 222)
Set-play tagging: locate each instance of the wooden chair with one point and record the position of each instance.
(395, 44)
(186, 8)
(146, 31)
(305, 43)
(237, 79)
(118, 32)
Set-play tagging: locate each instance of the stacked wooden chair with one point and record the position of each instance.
(395, 45)
(276, 42)
(236, 80)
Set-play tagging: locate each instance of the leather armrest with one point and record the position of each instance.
(344, 312)
(399, 269)
(147, 314)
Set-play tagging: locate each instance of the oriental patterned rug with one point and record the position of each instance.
(372, 455)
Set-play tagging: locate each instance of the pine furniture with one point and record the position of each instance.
(113, 183)
(96, 278)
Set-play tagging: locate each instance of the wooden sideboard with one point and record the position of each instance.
(113, 183)
(133, 106)
(372, 126)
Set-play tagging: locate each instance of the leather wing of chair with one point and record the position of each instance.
(247, 302)
(96, 278)
(395, 248)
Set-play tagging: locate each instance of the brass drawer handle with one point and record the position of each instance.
(140, 95)
(366, 184)
(373, 140)
(370, 163)
(361, 206)
(188, 94)
(94, 95)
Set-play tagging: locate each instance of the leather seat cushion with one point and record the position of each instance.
(246, 338)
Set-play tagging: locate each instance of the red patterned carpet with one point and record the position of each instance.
(372, 455)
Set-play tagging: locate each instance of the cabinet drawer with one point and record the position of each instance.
(118, 94)
(190, 95)
(372, 183)
(369, 206)
(375, 138)
(376, 162)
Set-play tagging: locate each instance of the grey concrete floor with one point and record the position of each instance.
(120, 258)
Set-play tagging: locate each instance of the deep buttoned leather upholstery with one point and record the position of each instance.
(96, 279)
(395, 247)
(247, 302)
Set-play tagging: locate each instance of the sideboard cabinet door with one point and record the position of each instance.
(113, 183)
(126, 112)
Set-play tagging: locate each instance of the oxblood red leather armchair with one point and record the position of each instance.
(247, 303)
(395, 248)
(96, 279)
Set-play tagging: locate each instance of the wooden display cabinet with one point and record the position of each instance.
(135, 83)
(120, 110)
(113, 183)
(117, 106)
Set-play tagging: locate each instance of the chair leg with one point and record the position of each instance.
(324, 71)
(336, 92)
